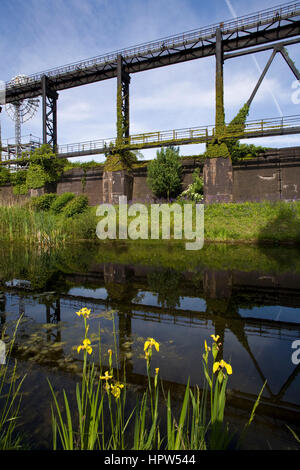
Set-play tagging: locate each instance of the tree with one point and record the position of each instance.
(164, 173)
(44, 167)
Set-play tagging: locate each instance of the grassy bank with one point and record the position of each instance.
(247, 223)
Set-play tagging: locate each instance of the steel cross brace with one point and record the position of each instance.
(277, 48)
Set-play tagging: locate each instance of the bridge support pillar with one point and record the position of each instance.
(218, 180)
(116, 184)
(220, 113)
(49, 100)
(123, 80)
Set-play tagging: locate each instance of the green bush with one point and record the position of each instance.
(4, 176)
(44, 202)
(164, 173)
(36, 177)
(61, 201)
(76, 206)
(195, 190)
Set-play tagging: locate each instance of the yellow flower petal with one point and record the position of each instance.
(106, 376)
(228, 369)
(216, 366)
(215, 338)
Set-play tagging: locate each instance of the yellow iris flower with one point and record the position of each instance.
(85, 312)
(222, 364)
(85, 345)
(215, 338)
(115, 390)
(106, 376)
(151, 342)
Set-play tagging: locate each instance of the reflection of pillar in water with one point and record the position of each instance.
(217, 286)
(53, 312)
(21, 306)
(53, 317)
(2, 308)
(118, 282)
(125, 342)
(121, 291)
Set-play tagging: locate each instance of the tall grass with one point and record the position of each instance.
(23, 224)
(10, 400)
(250, 222)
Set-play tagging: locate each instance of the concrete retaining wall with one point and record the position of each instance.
(273, 177)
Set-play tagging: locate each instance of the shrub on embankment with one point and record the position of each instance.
(67, 204)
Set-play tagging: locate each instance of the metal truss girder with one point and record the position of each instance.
(153, 59)
(290, 63)
(49, 99)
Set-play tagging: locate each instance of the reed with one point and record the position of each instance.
(257, 223)
(10, 400)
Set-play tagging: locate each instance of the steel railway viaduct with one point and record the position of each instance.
(271, 29)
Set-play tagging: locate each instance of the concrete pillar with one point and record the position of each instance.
(218, 180)
(116, 184)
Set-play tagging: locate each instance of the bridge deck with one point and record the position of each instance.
(263, 27)
(194, 135)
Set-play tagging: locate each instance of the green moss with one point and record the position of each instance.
(215, 150)
(120, 160)
(85, 165)
(220, 113)
(226, 146)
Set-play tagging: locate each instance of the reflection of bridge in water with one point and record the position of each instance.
(224, 294)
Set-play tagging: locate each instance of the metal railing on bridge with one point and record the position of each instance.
(193, 135)
(263, 17)
(260, 128)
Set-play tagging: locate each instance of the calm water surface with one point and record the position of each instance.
(250, 297)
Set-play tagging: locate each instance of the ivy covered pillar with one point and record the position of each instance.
(117, 178)
(220, 113)
(123, 80)
(217, 171)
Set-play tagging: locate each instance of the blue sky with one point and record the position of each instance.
(40, 34)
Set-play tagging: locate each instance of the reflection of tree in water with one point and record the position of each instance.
(44, 269)
(166, 283)
(121, 292)
(2, 309)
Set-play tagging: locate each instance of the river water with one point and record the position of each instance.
(249, 296)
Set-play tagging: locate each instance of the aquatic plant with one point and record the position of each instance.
(201, 420)
(10, 399)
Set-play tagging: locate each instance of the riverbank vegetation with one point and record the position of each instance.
(66, 218)
(101, 418)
